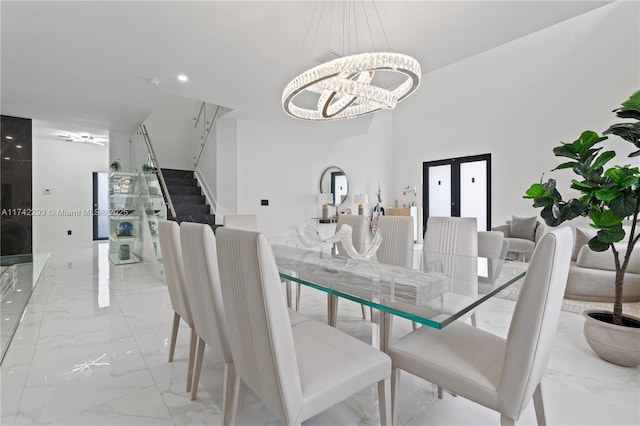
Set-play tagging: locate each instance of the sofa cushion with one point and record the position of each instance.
(583, 235)
(603, 260)
(523, 227)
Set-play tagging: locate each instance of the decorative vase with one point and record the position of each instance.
(125, 229)
(618, 344)
(124, 252)
(325, 211)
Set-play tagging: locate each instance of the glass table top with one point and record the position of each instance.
(436, 291)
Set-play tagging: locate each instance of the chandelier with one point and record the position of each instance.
(353, 85)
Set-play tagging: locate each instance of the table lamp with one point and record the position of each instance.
(361, 200)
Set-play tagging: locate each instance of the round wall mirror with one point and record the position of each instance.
(334, 181)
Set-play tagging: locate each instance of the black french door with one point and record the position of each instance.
(458, 187)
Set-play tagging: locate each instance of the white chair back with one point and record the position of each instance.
(493, 246)
(201, 269)
(454, 236)
(535, 320)
(248, 222)
(359, 231)
(396, 247)
(259, 328)
(174, 268)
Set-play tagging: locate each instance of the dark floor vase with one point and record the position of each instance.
(618, 344)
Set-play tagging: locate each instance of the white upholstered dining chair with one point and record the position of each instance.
(176, 283)
(297, 372)
(248, 222)
(501, 374)
(207, 309)
(493, 247)
(451, 246)
(396, 247)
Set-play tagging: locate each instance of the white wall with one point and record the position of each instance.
(520, 100)
(67, 170)
(119, 148)
(282, 161)
(169, 127)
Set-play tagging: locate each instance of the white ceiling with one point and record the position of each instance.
(87, 64)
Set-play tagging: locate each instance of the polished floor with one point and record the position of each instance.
(92, 349)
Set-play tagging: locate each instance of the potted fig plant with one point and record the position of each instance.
(609, 196)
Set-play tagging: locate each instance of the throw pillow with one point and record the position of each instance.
(523, 227)
(583, 235)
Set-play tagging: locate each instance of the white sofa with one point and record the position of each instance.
(592, 274)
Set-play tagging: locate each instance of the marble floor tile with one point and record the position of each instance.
(92, 349)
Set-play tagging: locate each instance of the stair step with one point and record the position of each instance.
(175, 181)
(183, 190)
(188, 199)
(197, 209)
(197, 218)
(174, 173)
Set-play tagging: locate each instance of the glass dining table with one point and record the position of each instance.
(439, 289)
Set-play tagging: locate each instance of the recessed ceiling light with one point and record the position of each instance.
(154, 82)
(8, 137)
(18, 146)
(183, 78)
(7, 158)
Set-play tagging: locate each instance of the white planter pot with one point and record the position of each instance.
(614, 343)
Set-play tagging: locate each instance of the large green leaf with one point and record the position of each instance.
(566, 150)
(602, 159)
(624, 176)
(597, 245)
(536, 190)
(624, 204)
(587, 139)
(582, 186)
(567, 165)
(611, 235)
(606, 194)
(605, 219)
(627, 131)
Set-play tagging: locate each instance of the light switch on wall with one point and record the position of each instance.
(46, 191)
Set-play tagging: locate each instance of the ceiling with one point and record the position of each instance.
(86, 66)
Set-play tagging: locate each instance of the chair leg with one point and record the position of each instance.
(364, 312)
(297, 296)
(198, 369)
(192, 357)
(384, 401)
(229, 393)
(174, 335)
(505, 421)
(439, 392)
(395, 383)
(538, 404)
(474, 322)
(238, 389)
(414, 325)
(287, 289)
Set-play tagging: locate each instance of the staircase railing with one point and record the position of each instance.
(204, 121)
(208, 194)
(154, 161)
